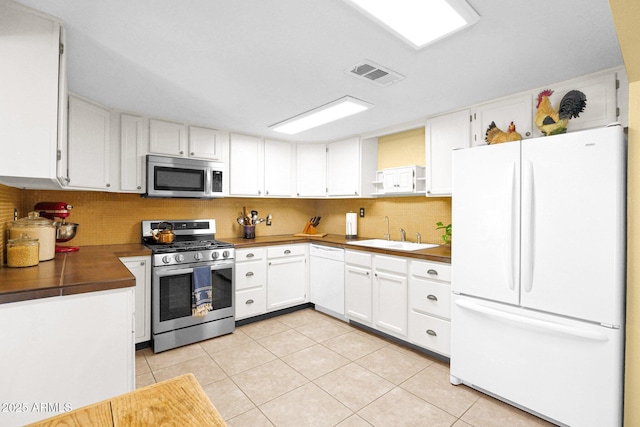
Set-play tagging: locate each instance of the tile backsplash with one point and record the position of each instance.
(113, 218)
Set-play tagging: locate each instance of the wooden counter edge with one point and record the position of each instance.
(177, 401)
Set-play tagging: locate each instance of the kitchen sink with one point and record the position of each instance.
(392, 244)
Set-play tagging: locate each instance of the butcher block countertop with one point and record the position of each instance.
(439, 254)
(180, 401)
(92, 268)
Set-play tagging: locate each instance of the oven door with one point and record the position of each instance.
(171, 295)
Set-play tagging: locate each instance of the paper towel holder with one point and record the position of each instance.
(351, 229)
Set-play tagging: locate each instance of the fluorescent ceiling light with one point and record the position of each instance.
(330, 112)
(419, 22)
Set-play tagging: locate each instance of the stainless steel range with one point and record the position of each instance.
(193, 245)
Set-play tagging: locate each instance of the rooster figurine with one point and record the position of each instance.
(552, 122)
(495, 136)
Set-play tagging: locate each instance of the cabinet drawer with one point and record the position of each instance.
(250, 302)
(251, 274)
(430, 333)
(430, 297)
(431, 270)
(286, 250)
(363, 259)
(390, 263)
(250, 254)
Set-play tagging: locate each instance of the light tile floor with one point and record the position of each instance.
(306, 368)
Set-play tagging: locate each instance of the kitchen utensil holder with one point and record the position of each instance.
(309, 229)
(249, 231)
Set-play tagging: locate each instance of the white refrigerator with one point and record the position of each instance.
(538, 274)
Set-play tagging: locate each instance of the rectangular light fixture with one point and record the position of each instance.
(330, 112)
(419, 22)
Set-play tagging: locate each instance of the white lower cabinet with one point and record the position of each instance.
(62, 353)
(287, 276)
(358, 290)
(390, 295)
(140, 267)
(251, 282)
(430, 305)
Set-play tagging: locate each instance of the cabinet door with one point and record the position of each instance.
(358, 294)
(89, 129)
(29, 84)
(167, 137)
(278, 160)
(140, 267)
(444, 134)
(390, 181)
(406, 180)
(246, 159)
(343, 166)
(132, 151)
(390, 303)
(203, 143)
(514, 109)
(311, 170)
(286, 282)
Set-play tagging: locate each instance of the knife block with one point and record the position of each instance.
(309, 229)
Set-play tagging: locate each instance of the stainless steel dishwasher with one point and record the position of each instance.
(327, 279)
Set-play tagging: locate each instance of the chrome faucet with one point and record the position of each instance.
(403, 235)
(419, 238)
(388, 235)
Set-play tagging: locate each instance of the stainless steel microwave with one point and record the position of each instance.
(183, 177)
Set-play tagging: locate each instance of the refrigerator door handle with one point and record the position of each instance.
(528, 226)
(531, 323)
(513, 231)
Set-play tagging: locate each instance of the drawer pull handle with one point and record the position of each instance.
(250, 255)
(249, 273)
(432, 297)
(249, 301)
(431, 332)
(432, 272)
(287, 252)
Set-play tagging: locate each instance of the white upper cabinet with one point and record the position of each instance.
(33, 99)
(443, 134)
(246, 162)
(602, 105)
(311, 170)
(407, 180)
(278, 161)
(89, 144)
(167, 138)
(204, 143)
(133, 149)
(350, 165)
(516, 109)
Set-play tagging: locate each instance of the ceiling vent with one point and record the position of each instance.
(375, 73)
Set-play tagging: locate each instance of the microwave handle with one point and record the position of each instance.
(208, 182)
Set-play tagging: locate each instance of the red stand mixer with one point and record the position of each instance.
(65, 231)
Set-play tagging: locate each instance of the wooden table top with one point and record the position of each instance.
(180, 401)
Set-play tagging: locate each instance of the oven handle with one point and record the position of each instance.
(168, 271)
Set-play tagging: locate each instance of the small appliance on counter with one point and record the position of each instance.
(351, 231)
(65, 231)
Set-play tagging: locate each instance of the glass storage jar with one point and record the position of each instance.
(22, 252)
(38, 228)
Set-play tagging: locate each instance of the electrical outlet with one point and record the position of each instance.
(269, 218)
(361, 212)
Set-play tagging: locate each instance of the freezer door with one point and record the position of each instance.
(485, 217)
(566, 370)
(573, 225)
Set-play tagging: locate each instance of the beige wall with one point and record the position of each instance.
(626, 14)
(401, 149)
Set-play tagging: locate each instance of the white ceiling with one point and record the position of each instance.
(244, 65)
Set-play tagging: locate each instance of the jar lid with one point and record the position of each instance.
(24, 239)
(33, 220)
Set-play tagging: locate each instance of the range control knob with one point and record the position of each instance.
(166, 259)
(179, 257)
(197, 256)
(225, 254)
(215, 255)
